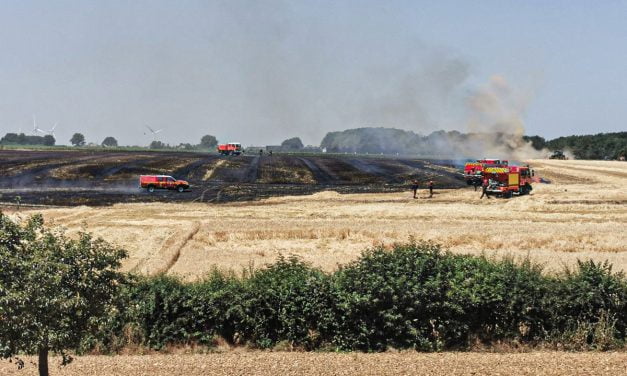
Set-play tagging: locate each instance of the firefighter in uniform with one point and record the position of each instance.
(484, 189)
(414, 187)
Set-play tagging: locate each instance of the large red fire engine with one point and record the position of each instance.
(232, 148)
(506, 181)
(473, 171)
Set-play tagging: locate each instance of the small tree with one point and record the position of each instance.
(54, 291)
(77, 139)
(186, 146)
(158, 145)
(292, 144)
(208, 142)
(110, 141)
(49, 140)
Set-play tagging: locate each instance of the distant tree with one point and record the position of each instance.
(22, 139)
(537, 142)
(49, 140)
(110, 142)
(11, 138)
(77, 139)
(208, 142)
(292, 144)
(186, 146)
(54, 291)
(158, 145)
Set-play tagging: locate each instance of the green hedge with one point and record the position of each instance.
(414, 296)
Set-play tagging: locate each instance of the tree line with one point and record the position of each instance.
(78, 140)
(393, 141)
(23, 139)
(598, 146)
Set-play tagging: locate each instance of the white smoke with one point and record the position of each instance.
(496, 113)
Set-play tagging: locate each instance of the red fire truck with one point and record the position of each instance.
(232, 148)
(507, 181)
(473, 171)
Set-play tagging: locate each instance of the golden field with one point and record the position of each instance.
(349, 364)
(582, 214)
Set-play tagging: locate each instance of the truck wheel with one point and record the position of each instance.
(180, 188)
(151, 188)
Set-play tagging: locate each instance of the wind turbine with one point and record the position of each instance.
(154, 132)
(35, 128)
(51, 131)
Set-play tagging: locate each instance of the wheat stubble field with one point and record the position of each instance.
(347, 364)
(581, 214)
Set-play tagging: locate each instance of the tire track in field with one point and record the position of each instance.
(164, 259)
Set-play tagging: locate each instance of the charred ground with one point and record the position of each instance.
(104, 178)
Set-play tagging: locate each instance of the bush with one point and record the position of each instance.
(284, 302)
(418, 296)
(414, 295)
(589, 295)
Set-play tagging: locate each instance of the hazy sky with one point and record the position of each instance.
(259, 72)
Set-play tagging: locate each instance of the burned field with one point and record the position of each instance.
(104, 178)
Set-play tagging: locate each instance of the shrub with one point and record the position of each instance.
(417, 296)
(414, 295)
(283, 302)
(588, 295)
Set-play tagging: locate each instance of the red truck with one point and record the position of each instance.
(232, 148)
(507, 181)
(152, 182)
(473, 171)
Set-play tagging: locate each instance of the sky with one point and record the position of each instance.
(259, 72)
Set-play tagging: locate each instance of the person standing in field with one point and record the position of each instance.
(430, 188)
(414, 187)
(477, 180)
(484, 189)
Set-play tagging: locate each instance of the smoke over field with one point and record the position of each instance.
(493, 116)
(445, 145)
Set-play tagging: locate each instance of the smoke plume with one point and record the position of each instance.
(496, 121)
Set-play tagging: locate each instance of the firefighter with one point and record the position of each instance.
(484, 189)
(430, 188)
(414, 187)
(476, 182)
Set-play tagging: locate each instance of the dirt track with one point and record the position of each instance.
(102, 178)
(284, 363)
